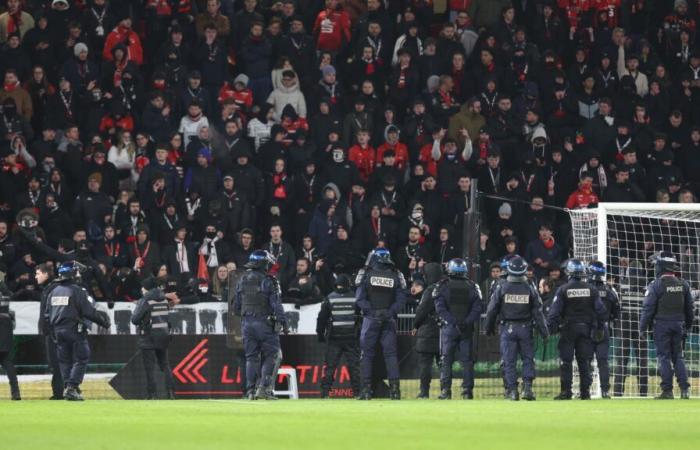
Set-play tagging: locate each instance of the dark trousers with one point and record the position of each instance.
(151, 358)
(383, 331)
(259, 338)
(6, 363)
(602, 353)
(668, 338)
(631, 342)
(575, 341)
(335, 351)
(516, 340)
(73, 355)
(54, 367)
(454, 344)
(425, 369)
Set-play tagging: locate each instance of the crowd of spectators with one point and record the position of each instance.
(172, 137)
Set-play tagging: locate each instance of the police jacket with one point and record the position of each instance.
(337, 320)
(68, 306)
(515, 300)
(458, 302)
(43, 319)
(610, 299)
(258, 295)
(7, 319)
(576, 302)
(382, 289)
(668, 299)
(151, 318)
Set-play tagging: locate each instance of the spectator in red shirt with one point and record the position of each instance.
(239, 92)
(332, 28)
(363, 155)
(391, 138)
(584, 196)
(123, 34)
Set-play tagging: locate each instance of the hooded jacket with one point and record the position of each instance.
(470, 120)
(283, 96)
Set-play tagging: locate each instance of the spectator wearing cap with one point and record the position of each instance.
(123, 34)
(289, 93)
(82, 72)
(329, 88)
(204, 176)
(237, 91)
(15, 20)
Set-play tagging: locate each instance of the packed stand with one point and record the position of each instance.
(174, 137)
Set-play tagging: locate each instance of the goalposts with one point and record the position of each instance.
(626, 236)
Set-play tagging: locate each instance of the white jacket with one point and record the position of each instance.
(288, 96)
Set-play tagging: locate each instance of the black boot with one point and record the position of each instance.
(528, 394)
(513, 395)
(685, 395)
(564, 395)
(585, 395)
(324, 393)
(467, 394)
(366, 392)
(445, 394)
(423, 394)
(394, 390)
(665, 395)
(15, 393)
(71, 394)
(250, 395)
(264, 393)
(605, 395)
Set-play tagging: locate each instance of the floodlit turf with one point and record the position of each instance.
(332, 424)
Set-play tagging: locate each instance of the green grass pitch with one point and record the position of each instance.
(334, 424)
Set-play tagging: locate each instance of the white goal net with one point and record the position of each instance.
(626, 237)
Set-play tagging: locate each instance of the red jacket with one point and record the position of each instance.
(574, 9)
(163, 8)
(613, 9)
(426, 157)
(125, 123)
(332, 29)
(123, 35)
(582, 198)
(401, 154)
(244, 98)
(363, 159)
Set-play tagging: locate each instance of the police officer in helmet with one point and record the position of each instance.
(601, 337)
(427, 330)
(576, 313)
(668, 311)
(518, 305)
(151, 317)
(68, 309)
(258, 302)
(337, 325)
(380, 296)
(458, 304)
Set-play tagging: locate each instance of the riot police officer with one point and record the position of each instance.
(668, 308)
(68, 309)
(517, 304)
(258, 302)
(43, 275)
(458, 304)
(337, 324)
(601, 337)
(427, 330)
(151, 318)
(576, 312)
(380, 296)
(7, 321)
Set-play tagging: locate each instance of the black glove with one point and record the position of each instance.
(106, 322)
(110, 304)
(321, 338)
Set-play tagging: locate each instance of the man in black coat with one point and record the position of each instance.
(426, 329)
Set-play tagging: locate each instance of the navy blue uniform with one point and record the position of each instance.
(458, 304)
(6, 325)
(611, 301)
(57, 384)
(68, 309)
(257, 302)
(380, 296)
(668, 310)
(337, 325)
(576, 311)
(151, 316)
(518, 305)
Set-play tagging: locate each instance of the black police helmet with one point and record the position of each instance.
(516, 266)
(457, 268)
(260, 259)
(665, 262)
(596, 271)
(575, 268)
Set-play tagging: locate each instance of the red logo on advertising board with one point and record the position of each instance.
(187, 370)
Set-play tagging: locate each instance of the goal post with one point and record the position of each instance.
(626, 237)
